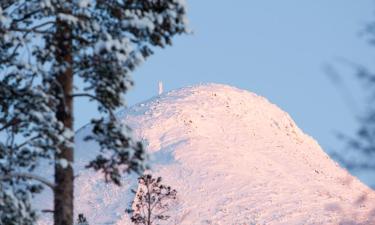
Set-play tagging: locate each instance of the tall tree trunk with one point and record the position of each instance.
(64, 179)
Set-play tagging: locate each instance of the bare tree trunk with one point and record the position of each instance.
(148, 205)
(64, 180)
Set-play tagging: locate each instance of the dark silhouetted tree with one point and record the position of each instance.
(152, 201)
(359, 150)
(363, 141)
(82, 220)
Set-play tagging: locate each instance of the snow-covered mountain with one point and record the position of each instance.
(234, 158)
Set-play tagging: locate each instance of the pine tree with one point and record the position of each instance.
(362, 144)
(359, 150)
(46, 46)
(152, 201)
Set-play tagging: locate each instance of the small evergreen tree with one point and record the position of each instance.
(82, 220)
(152, 201)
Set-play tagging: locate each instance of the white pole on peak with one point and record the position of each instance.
(160, 87)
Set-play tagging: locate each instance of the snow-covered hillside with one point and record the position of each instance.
(234, 158)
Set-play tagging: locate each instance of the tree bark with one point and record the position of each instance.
(64, 178)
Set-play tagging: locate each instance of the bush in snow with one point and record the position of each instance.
(152, 201)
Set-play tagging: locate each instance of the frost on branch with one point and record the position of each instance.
(119, 153)
(106, 41)
(31, 133)
(27, 119)
(15, 207)
(113, 42)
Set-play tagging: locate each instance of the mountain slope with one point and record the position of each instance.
(234, 158)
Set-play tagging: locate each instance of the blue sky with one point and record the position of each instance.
(277, 49)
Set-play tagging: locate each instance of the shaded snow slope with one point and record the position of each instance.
(234, 158)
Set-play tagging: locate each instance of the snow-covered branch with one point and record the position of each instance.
(28, 176)
(34, 29)
(102, 43)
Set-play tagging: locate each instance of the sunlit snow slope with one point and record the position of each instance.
(234, 158)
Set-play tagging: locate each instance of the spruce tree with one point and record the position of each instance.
(46, 47)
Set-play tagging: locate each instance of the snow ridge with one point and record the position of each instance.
(234, 158)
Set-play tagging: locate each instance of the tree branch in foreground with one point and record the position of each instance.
(28, 176)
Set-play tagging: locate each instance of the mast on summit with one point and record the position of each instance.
(160, 87)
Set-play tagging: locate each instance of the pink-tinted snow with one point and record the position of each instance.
(234, 158)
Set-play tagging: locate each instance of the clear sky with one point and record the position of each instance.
(276, 49)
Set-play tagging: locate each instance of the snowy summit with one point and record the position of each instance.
(234, 158)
